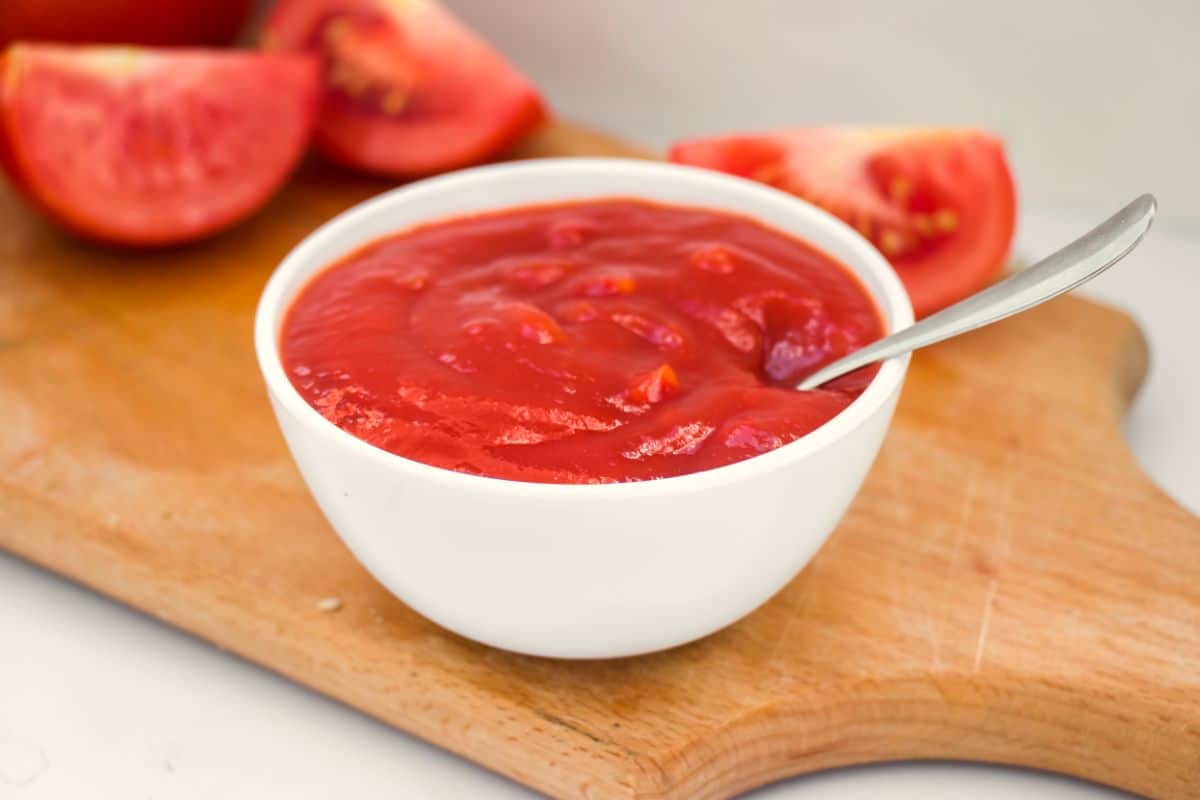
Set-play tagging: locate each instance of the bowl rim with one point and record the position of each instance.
(284, 283)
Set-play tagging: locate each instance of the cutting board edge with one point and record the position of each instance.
(958, 718)
(117, 578)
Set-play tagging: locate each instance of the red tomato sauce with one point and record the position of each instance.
(611, 340)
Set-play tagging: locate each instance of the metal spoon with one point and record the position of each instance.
(1073, 265)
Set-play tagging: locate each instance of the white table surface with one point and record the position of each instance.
(97, 701)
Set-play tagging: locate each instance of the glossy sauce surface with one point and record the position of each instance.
(610, 340)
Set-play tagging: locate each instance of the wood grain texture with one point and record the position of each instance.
(1008, 587)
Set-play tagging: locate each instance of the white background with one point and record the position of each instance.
(1098, 101)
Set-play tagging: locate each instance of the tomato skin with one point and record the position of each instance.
(145, 22)
(409, 89)
(939, 203)
(146, 147)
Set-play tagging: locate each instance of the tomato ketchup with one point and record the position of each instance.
(599, 341)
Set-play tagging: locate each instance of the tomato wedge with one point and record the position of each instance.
(146, 147)
(409, 90)
(940, 204)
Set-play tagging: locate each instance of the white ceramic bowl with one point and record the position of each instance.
(582, 571)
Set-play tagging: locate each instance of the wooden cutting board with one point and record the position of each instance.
(1008, 587)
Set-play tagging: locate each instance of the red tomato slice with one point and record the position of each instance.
(148, 147)
(154, 22)
(409, 90)
(940, 204)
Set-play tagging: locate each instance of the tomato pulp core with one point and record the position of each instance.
(599, 341)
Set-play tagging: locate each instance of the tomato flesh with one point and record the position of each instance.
(939, 204)
(144, 147)
(146, 22)
(408, 89)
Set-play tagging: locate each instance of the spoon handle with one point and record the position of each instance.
(1075, 264)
